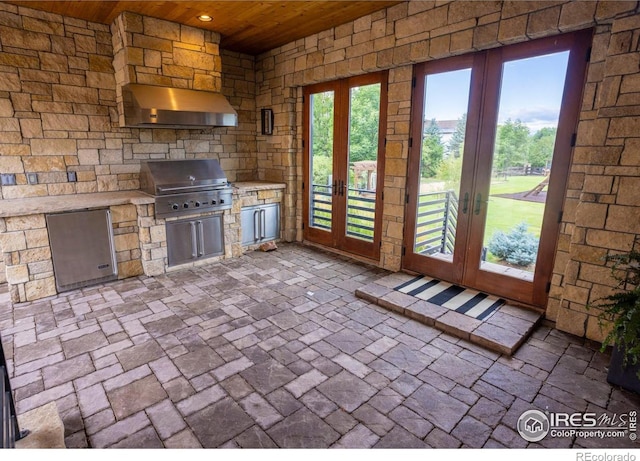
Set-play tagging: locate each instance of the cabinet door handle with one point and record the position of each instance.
(194, 240)
(200, 239)
(478, 202)
(256, 225)
(263, 223)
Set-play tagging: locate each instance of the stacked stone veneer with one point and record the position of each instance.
(29, 266)
(602, 209)
(59, 91)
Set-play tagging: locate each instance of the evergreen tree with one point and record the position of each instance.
(456, 144)
(432, 150)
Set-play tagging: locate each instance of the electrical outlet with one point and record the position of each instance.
(8, 179)
(72, 176)
(32, 178)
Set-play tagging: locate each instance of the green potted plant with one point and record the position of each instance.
(620, 312)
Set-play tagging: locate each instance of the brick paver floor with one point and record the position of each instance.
(274, 350)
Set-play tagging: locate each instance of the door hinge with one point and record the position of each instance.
(413, 82)
(302, 226)
(303, 144)
(560, 215)
(380, 244)
(302, 185)
(410, 142)
(574, 138)
(385, 142)
(404, 250)
(588, 56)
(406, 198)
(382, 196)
(548, 287)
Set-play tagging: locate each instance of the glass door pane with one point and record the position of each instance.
(321, 159)
(446, 102)
(364, 126)
(529, 109)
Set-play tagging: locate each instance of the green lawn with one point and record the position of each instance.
(504, 213)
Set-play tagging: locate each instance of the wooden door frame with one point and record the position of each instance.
(533, 293)
(338, 238)
(320, 236)
(435, 267)
(484, 127)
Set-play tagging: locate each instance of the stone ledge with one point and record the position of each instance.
(55, 204)
(45, 427)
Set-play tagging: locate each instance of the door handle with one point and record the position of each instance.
(200, 239)
(263, 223)
(194, 240)
(465, 203)
(478, 201)
(335, 187)
(342, 188)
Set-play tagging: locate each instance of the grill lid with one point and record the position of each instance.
(178, 176)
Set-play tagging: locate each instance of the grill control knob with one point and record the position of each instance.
(197, 204)
(175, 206)
(221, 200)
(213, 202)
(186, 205)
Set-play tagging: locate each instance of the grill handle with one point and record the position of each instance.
(182, 188)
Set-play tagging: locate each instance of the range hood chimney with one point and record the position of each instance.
(149, 106)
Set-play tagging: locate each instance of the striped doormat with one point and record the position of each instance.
(469, 302)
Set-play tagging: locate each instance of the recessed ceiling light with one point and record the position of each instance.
(205, 18)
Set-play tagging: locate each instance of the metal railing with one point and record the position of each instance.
(9, 428)
(436, 222)
(361, 206)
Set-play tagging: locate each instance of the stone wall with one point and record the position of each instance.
(26, 252)
(58, 98)
(601, 213)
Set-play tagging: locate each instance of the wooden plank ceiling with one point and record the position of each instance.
(245, 26)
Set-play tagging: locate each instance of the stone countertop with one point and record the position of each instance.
(55, 204)
(248, 186)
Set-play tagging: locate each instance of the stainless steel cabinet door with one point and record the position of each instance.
(260, 223)
(270, 222)
(82, 248)
(192, 239)
(211, 236)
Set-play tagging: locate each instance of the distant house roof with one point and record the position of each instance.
(445, 126)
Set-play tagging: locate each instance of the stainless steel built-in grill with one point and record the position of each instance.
(184, 187)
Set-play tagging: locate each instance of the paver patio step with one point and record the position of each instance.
(503, 331)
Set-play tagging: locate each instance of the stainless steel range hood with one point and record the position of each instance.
(149, 106)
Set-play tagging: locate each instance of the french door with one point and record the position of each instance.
(344, 129)
(488, 175)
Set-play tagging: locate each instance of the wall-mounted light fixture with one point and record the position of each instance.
(267, 121)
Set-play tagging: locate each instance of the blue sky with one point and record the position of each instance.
(531, 91)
